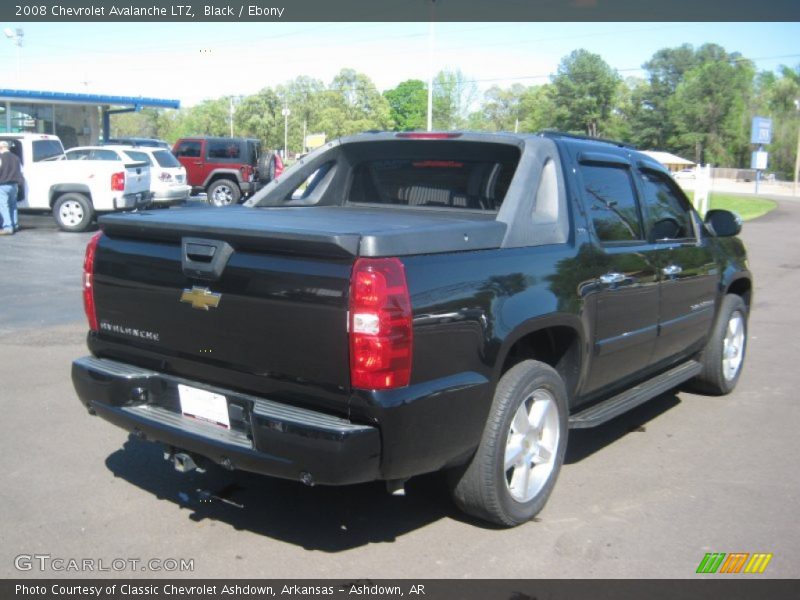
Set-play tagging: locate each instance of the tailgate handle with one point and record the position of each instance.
(200, 252)
(205, 259)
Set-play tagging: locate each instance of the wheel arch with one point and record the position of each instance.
(60, 189)
(230, 174)
(556, 340)
(741, 286)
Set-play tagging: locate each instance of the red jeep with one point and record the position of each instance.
(226, 169)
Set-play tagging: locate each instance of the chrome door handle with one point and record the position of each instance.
(611, 278)
(672, 270)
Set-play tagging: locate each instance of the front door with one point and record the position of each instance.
(190, 154)
(626, 275)
(689, 274)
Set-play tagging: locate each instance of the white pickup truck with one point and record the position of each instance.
(75, 190)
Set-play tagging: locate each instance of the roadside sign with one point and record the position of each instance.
(761, 130)
(315, 140)
(758, 160)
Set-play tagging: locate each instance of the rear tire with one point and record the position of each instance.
(515, 467)
(223, 192)
(266, 167)
(73, 212)
(723, 357)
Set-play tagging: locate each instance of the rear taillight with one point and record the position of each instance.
(118, 182)
(248, 173)
(381, 339)
(88, 281)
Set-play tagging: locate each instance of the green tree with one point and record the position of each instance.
(502, 108)
(304, 96)
(408, 105)
(709, 110)
(352, 104)
(259, 116)
(538, 109)
(585, 89)
(652, 121)
(453, 98)
(145, 123)
(210, 117)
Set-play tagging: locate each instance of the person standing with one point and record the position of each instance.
(10, 181)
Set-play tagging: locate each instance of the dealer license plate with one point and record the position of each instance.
(204, 406)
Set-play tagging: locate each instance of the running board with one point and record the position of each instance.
(606, 410)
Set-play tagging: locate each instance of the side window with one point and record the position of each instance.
(188, 150)
(78, 154)
(104, 155)
(223, 149)
(611, 202)
(668, 215)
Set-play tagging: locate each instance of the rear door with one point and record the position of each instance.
(689, 274)
(190, 153)
(625, 270)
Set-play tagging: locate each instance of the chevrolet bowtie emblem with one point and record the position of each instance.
(201, 298)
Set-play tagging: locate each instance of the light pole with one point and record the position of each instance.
(16, 35)
(285, 112)
(431, 38)
(797, 153)
(231, 99)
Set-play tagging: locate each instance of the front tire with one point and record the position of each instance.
(515, 467)
(73, 212)
(723, 357)
(223, 192)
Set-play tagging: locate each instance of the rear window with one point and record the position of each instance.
(254, 151)
(139, 156)
(164, 158)
(456, 176)
(47, 150)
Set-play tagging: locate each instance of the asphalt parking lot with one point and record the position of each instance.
(646, 495)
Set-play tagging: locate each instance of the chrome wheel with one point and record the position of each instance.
(733, 346)
(531, 445)
(222, 195)
(70, 213)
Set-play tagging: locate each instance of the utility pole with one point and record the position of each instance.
(286, 112)
(797, 154)
(231, 100)
(431, 39)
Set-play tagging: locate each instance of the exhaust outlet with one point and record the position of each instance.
(184, 463)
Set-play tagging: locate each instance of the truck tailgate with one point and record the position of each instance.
(137, 178)
(257, 295)
(277, 322)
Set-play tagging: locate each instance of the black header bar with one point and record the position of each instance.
(398, 10)
(701, 587)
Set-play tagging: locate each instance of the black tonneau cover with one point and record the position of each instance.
(326, 230)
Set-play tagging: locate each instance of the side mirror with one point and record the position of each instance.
(723, 223)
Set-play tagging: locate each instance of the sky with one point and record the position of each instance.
(196, 61)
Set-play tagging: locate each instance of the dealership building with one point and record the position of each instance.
(78, 119)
